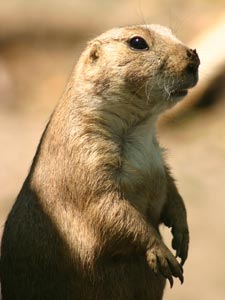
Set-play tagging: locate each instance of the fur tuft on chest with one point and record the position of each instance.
(142, 176)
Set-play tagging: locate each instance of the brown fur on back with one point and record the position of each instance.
(85, 223)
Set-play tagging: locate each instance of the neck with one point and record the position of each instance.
(120, 114)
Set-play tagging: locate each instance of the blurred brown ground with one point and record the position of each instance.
(39, 44)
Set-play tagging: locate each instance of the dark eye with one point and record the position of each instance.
(138, 43)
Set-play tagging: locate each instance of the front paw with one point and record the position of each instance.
(161, 260)
(180, 241)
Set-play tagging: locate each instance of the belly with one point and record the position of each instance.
(126, 278)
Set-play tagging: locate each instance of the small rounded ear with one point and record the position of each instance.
(94, 51)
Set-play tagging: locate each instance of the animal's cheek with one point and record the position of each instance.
(137, 76)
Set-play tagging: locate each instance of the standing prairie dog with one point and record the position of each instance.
(85, 223)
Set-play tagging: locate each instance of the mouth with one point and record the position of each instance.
(182, 91)
(179, 93)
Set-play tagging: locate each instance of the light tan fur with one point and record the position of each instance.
(85, 224)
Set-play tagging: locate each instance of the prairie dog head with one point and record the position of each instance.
(146, 63)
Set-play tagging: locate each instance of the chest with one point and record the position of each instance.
(143, 173)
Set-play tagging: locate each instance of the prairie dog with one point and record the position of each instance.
(85, 223)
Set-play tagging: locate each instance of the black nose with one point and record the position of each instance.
(193, 61)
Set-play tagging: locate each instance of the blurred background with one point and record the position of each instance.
(40, 42)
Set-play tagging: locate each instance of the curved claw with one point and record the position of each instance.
(171, 281)
(177, 272)
(181, 277)
(161, 260)
(180, 243)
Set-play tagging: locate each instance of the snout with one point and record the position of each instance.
(189, 74)
(193, 62)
